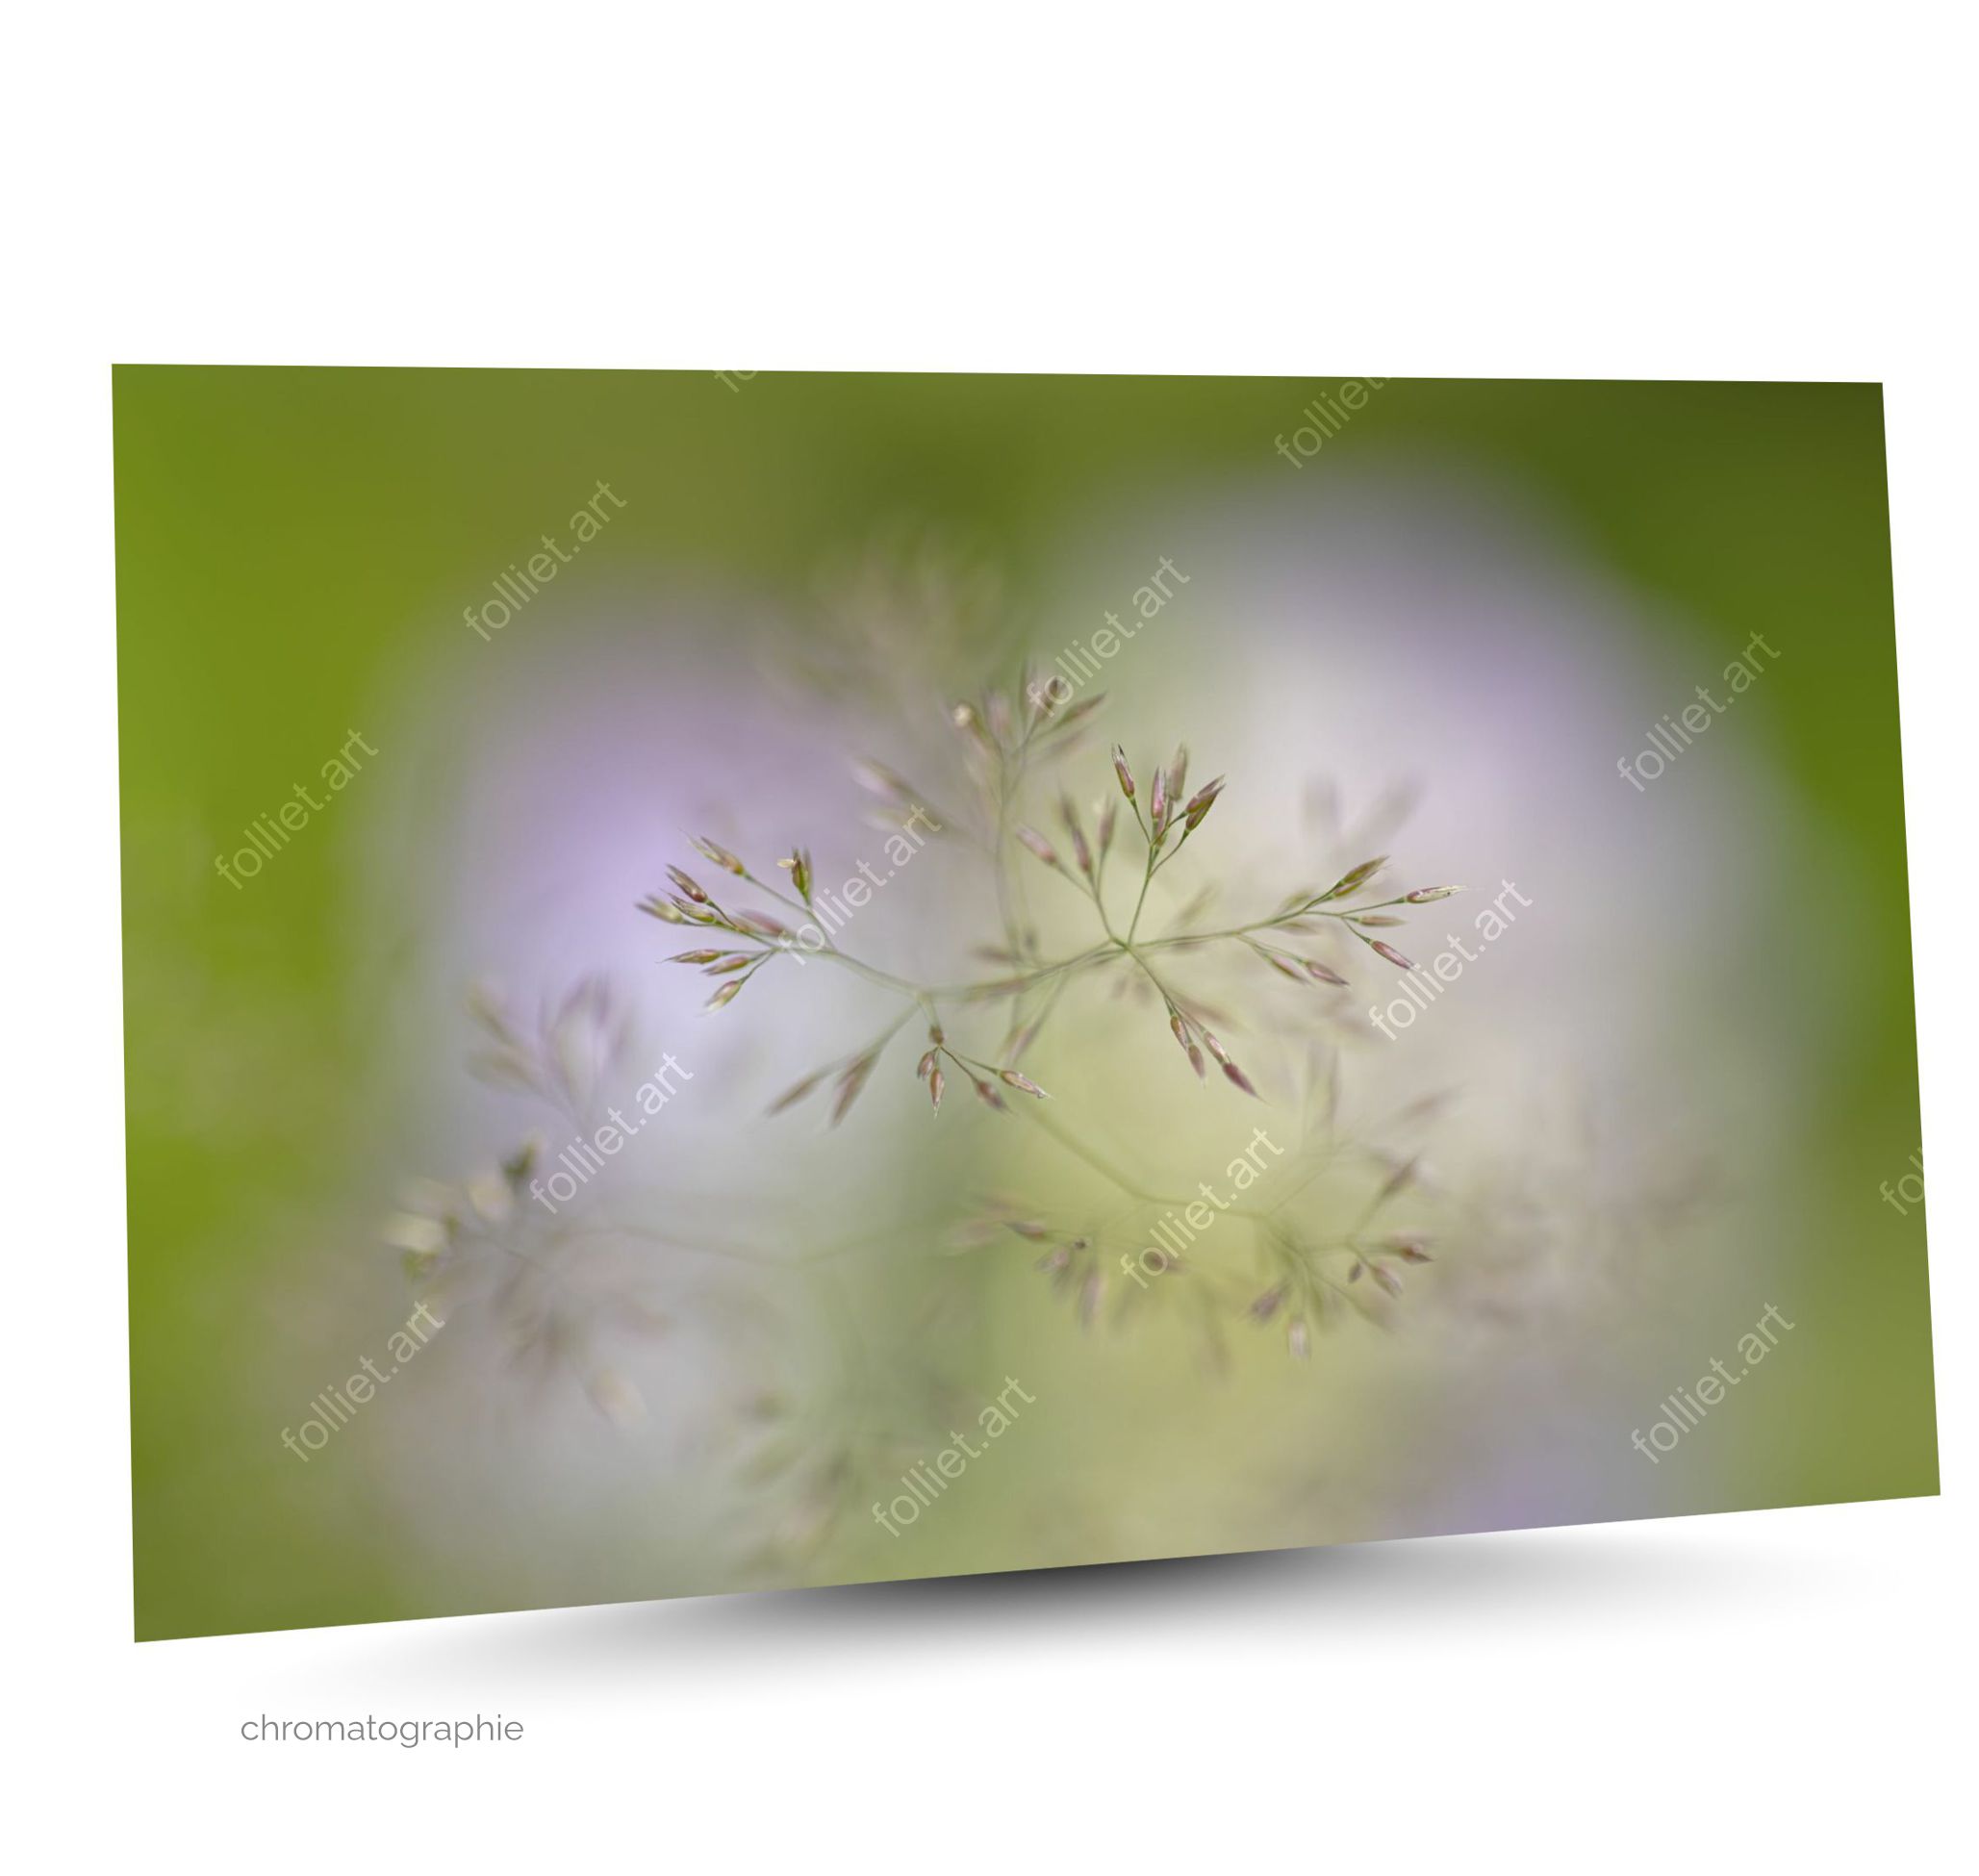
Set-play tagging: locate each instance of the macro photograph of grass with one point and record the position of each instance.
(749, 979)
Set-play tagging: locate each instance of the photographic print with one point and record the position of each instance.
(741, 979)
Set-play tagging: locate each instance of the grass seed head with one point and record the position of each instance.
(791, 1096)
(851, 1083)
(1037, 844)
(1352, 880)
(798, 866)
(1236, 1075)
(1121, 770)
(877, 778)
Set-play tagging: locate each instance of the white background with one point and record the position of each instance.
(1715, 191)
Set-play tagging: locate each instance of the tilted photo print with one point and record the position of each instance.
(741, 980)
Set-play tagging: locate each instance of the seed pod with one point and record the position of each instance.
(850, 1084)
(798, 866)
(790, 1097)
(1080, 851)
(1038, 845)
(1400, 1177)
(1354, 881)
(964, 719)
(1121, 770)
(877, 778)
(1078, 713)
